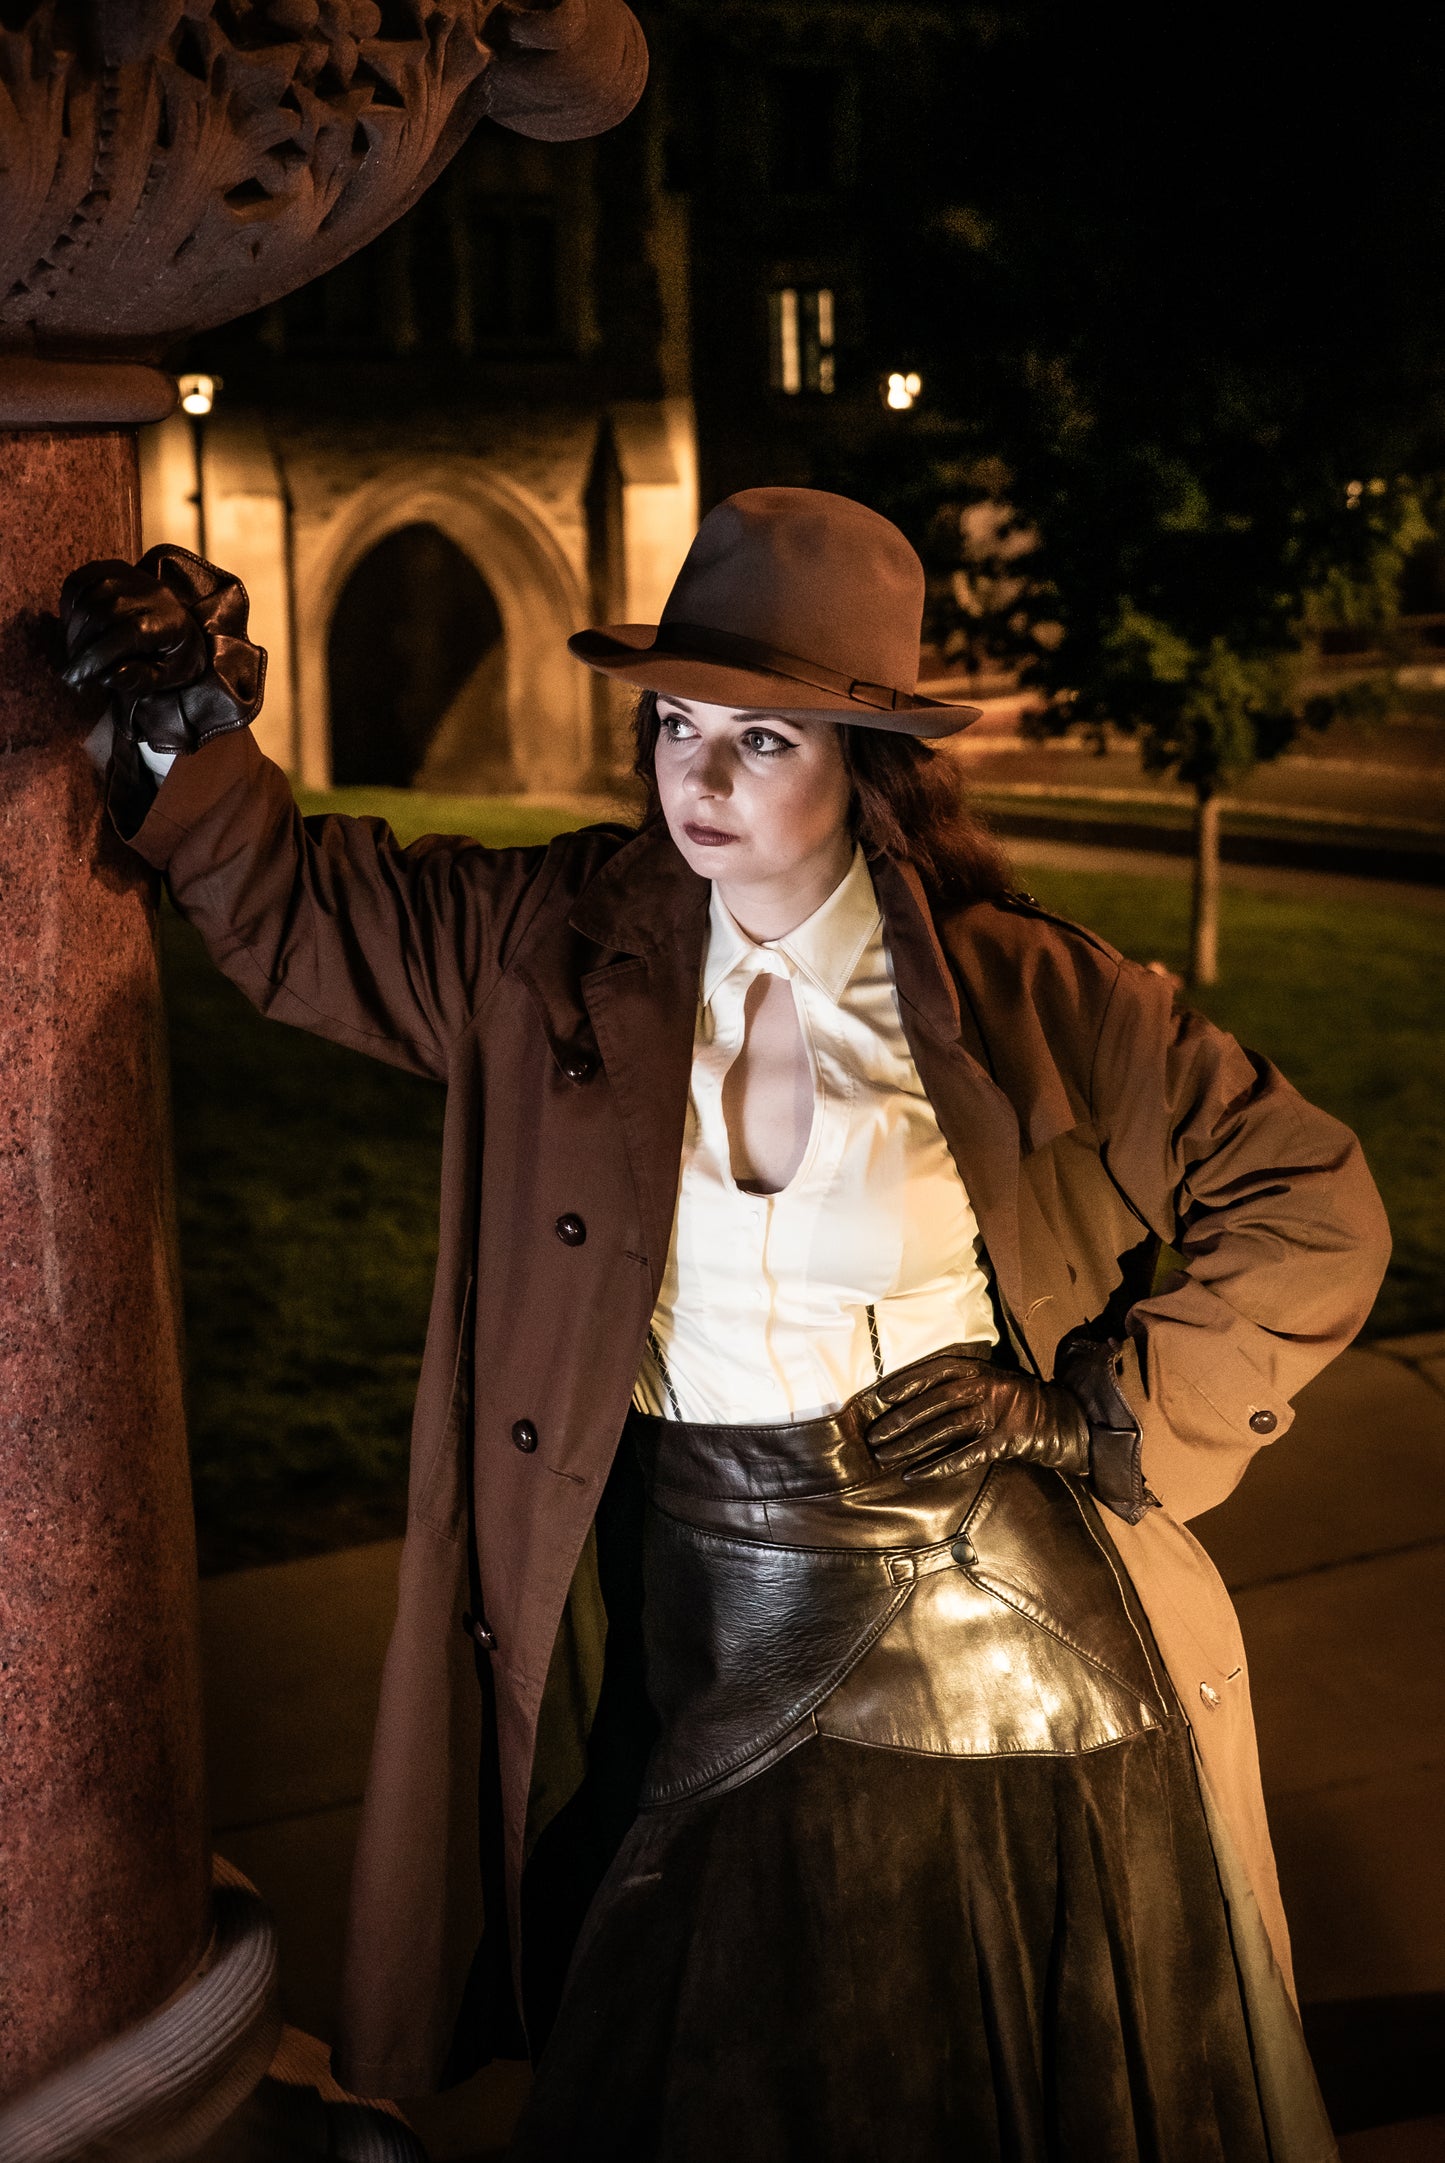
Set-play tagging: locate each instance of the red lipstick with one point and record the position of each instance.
(707, 837)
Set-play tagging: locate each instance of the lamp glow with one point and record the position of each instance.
(198, 395)
(902, 390)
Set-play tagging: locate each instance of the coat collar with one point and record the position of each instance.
(647, 899)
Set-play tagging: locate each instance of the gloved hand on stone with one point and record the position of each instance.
(166, 640)
(953, 1413)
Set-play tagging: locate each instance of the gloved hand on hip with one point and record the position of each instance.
(952, 1413)
(166, 640)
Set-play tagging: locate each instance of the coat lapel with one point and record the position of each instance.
(647, 912)
(976, 1117)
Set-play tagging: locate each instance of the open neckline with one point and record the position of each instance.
(750, 1192)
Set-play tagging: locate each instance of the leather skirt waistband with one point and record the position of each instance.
(792, 1587)
(818, 1456)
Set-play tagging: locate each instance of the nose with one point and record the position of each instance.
(707, 769)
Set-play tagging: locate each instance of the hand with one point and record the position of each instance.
(166, 640)
(952, 1413)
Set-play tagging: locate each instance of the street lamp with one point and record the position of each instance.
(901, 390)
(198, 395)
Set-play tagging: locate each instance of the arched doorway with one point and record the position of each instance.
(416, 661)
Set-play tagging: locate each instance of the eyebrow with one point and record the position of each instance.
(748, 716)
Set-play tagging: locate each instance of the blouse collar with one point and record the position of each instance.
(826, 947)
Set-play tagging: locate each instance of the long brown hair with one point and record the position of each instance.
(908, 802)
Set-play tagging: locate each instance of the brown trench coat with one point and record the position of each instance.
(554, 990)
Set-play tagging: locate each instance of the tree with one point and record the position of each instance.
(1179, 342)
(1206, 699)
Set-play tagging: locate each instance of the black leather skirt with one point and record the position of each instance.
(920, 1867)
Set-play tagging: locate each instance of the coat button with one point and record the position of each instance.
(962, 1551)
(579, 1066)
(524, 1434)
(1263, 1422)
(1210, 1697)
(571, 1230)
(485, 1636)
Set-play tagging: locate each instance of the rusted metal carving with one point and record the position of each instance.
(168, 164)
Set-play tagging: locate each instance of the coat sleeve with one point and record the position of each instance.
(329, 923)
(1270, 1204)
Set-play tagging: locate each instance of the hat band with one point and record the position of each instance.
(700, 642)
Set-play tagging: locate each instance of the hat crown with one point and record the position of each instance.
(810, 573)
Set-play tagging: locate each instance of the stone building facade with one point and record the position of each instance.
(468, 441)
(500, 421)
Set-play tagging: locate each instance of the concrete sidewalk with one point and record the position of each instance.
(1335, 1549)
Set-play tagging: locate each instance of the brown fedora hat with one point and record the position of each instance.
(791, 599)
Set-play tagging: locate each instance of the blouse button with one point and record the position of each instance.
(1263, 1422)
(524, 1434)
(571, 1230)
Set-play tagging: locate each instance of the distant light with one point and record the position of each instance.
(787, 342)
(198, 394)
(902, 390)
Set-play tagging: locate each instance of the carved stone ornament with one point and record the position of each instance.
(168, 164)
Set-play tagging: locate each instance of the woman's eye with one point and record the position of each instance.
(674, 727)
(765, 743)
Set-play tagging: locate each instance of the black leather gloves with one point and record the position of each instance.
(952, 1413)
(166, 639)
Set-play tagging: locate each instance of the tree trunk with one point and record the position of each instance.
(1204, 926)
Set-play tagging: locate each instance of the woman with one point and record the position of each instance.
(782, 1136)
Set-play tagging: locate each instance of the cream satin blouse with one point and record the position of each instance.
(764, 1312)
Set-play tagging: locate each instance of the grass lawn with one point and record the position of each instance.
(308, 1175)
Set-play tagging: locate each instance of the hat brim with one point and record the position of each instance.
(628, 651)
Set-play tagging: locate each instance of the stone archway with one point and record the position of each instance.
(539, 696)
(416, 671)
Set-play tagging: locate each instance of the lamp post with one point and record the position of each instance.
(164, 165)
(197, 394)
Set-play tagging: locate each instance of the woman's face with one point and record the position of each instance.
(753, 801)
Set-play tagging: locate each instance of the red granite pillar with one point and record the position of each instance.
(104, 1872)
(162, 168)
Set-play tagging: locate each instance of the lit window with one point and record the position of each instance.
(801, 326)
(786, 369)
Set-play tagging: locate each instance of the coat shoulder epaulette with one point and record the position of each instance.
(1017, 901)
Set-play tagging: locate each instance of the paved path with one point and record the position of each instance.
(1335, 1550)
(1251, 878)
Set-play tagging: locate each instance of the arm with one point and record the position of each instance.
(1273, 1209)
(329, 923)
